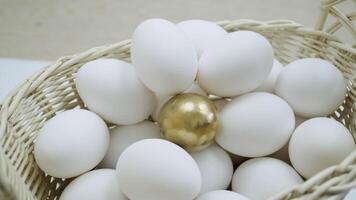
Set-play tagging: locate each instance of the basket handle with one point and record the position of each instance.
(328, 8)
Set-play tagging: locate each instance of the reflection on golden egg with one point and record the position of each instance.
(189, 120)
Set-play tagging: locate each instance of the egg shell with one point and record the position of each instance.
(79, 133)
(268, 85)
(123, 136)
(162, 99)
(196, 89)
(165, 60)
(319, 143)
(237, 65)
(312, 86)
(351, 194)
(215, 167)
(94, 185)
(202, 33)
(261, 178)
(156, 169)
(255, 124)
(111, 88)
(220, 195)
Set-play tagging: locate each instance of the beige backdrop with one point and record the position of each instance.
(48, 29)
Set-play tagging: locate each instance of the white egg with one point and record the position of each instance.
(156, 169)
(237, 65)
(202, 33)
(221, 195)
(162, 99)
(351, 194)
(196, 89)
(268, 85)
(71, 143)
(261, 178)
(164, 58)
(313, 87)
(215, 166)
(319, 143)
(98, 184)
(123, 136)
(111, 88)
(255, 124)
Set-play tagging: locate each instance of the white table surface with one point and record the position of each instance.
(14, 71)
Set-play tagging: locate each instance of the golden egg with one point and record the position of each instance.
(189, 120)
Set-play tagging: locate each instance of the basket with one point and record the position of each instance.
(52, 90)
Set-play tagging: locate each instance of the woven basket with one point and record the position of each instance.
(52, 90)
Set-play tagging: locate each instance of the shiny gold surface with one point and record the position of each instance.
(189, 120)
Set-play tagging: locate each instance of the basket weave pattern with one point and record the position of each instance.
(52, 90)
(342, 20)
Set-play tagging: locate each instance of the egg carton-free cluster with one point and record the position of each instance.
(217, 101)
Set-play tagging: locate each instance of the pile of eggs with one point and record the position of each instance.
(263, 127)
